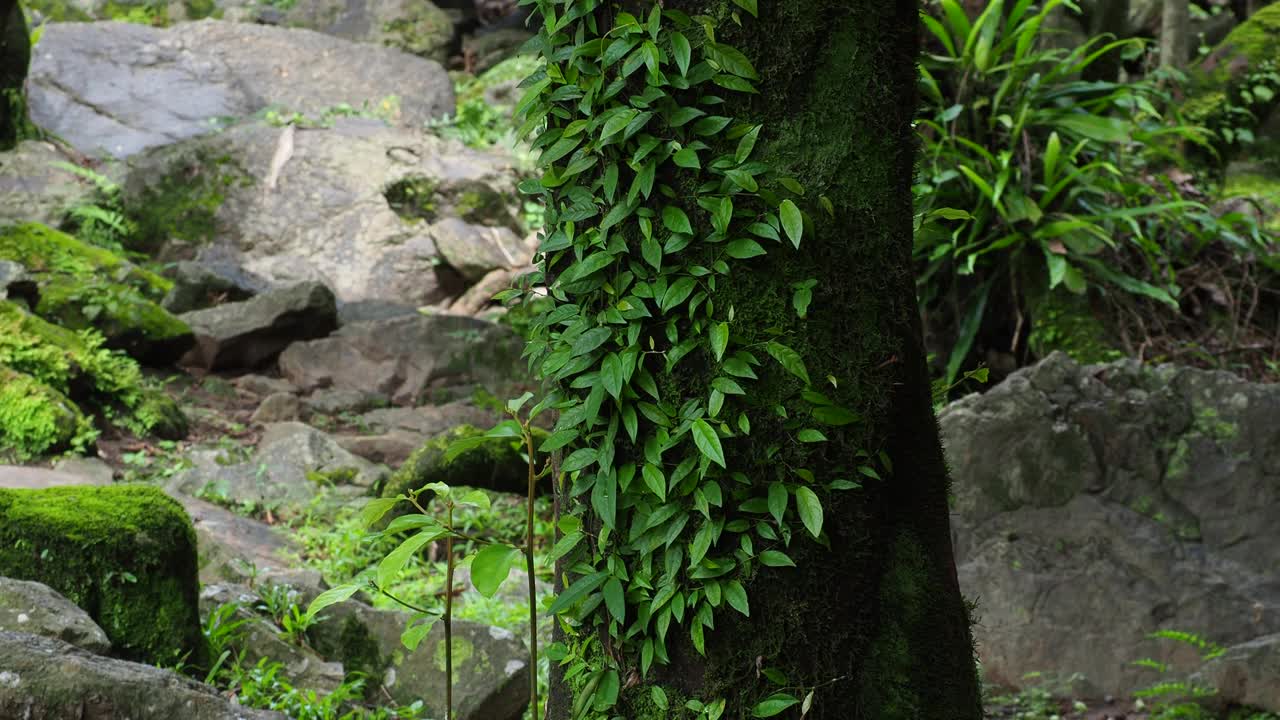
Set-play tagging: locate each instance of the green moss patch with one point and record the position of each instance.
(83, 287)
(125, 554)
(1062, 321)
(496, 465)
(182, 204)
(65, 366)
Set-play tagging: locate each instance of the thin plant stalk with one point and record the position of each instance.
(448, 616)
(533, 590)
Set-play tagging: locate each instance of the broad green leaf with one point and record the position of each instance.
(514, 404)
(677, 293)
(611, 374)
(614, 599)
(708, 442)
(659, 697)
(565, 545)
(833, 415)
(606, 695)
(773, 705)
(558, 439)
(410, 522)
(577, 591)
(590, 340)
(375, 509)
(773, 558)
(675, 220)
(332, 596)
(491, 566)
(475, 498)
(777, 501)
(749, 6)
(810, 510)
(655, 480)
(579, 459)
(680, 48)
(719, 339)
(746, 145)
(743, 248)
(788, 359)
(395, 561)
(810, 435)
(736, 596)
(687, 158)
(415, 633)
(792, 221)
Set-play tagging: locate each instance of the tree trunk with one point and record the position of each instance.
(875, 624)
(15, 56)
(1111, 17)
(1175, 33)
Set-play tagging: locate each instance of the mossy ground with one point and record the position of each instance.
(1063, 321)
(125, 554)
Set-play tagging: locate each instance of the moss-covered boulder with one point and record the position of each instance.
(50, 370)
(82, 286)
(1231, 90)
(125, 554)
(496, 464)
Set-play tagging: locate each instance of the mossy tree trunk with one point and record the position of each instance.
(875, 623)
(1175, 33)
(15, 56)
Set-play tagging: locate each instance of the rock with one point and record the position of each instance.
(29, 607)
(1126, 499)
(277, 407)
(354, 207)
(170, 84)
(84, 286)
(495, 465)
(405, 358)
(263, 386)
(237, 549)
(1247, 674)
(478, 296)
(17, 284)
(35, 188)
(37, 418)
(261, 639)
(93, 470)
(397, 432)
(419, 28)
(197, 286)
(490, 665)
(282, 477)
(250, 333)
(139, 581)
(332, 401)
(16, 477)
(477, 250)
(53, 680)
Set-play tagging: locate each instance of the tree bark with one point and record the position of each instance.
(875, 624)
(1112, 17)
(15, 56)
(1175, 33)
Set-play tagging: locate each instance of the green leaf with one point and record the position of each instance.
(491, 566)
(743, 248)
(675, 220)
(792, 221)
(773, 558)
(719, 339)
(606, 695)
(395, 561)
(578, 590)
(579, 459)
(565, 545)
(749, 6)
(611, 374)
(375, 509)
(746, 145)
(727, 386)
(475, 498)
(677, 293)
(590, 340)
(788, 359)
(708, 442)
(736, 596)
(680, 47)
(732, 60)
(832, 415)
(659, 697)
(414, 634)
(810, 510)
(810, 435)
(773, 705)
(777, 501)
(651, 251)
(687, 158)
(614, 599)
(655, 480)
(558, 439)
(332, 596)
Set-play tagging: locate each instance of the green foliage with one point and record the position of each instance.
(1034, 178)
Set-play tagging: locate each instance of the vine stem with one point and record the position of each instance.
(448, 618)
(533, 590)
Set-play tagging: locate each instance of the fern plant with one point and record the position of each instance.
(101, 221)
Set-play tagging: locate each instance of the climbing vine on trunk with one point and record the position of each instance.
(653, 196)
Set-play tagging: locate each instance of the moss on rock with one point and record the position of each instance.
(1063, 321)
(125, 554)
(77, 367)
(493, 465)
(37, 419)
(83, 286)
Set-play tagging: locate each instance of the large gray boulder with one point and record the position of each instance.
(283, 476)
(393, 434)
(35, 188)
(31, 607)
(247, 334)
(48, 679)
(1094, 505)
(1247, 674)
(379, 214)
(114, 89)
(405, 359)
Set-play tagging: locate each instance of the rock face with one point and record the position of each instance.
(250, 333)
(34, 189)
(170, 84)
(50, 679)
(138, 581)
(414, 27)
(1094, 505)
(395, 433)
(1247, 674)
(403, 359)
(29, 607)
(283, 475)
(359, 206)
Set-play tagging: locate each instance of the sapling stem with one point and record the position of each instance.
(533, 590)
